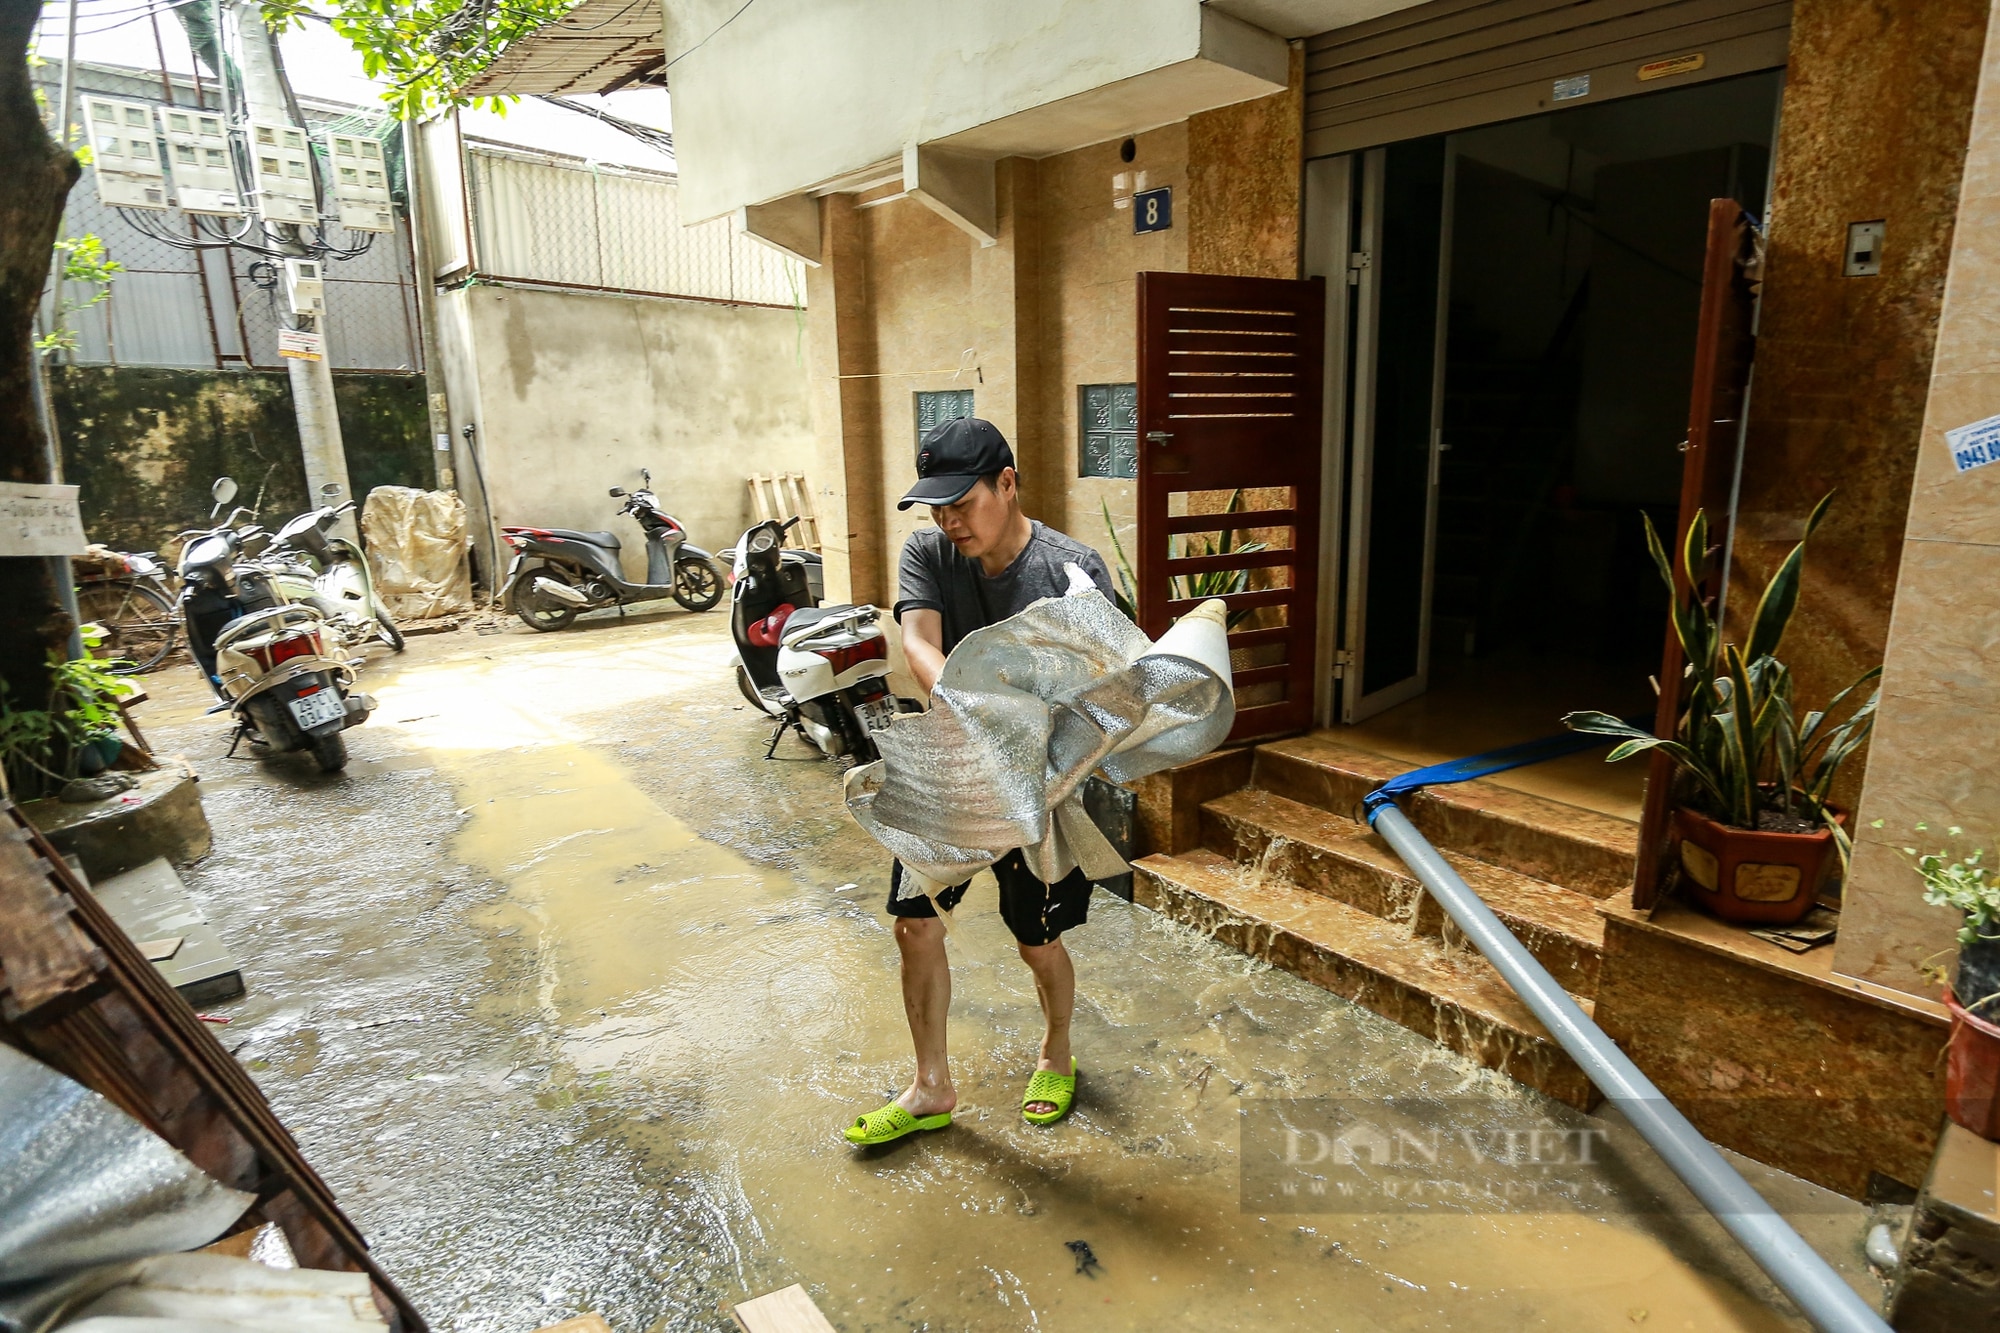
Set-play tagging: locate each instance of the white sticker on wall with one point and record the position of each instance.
(38, 519)
(1571, 88)
(1975, 445)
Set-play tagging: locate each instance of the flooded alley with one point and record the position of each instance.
(568, 992)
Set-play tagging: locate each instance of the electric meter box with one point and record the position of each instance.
(125, 153)
(198, 154)
(360, 183)
(304, 287)
(281, 167)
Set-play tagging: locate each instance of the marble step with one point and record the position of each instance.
(1345, 861)
(1450, 997)
(1559, 844)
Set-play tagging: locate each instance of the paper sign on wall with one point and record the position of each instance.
(1975, 445)
(39, 520)
(301, 344)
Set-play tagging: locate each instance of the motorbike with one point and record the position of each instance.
(314, 567)
(279, 668)
(822, 671)
(578, 571)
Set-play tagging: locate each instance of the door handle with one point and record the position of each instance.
(1158, 436)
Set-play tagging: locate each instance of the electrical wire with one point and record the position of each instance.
(651, 136)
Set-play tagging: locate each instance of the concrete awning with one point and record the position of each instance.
(598, 47)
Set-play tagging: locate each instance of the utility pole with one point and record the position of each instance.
(269, 102)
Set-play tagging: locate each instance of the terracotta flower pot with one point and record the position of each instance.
(1746, 875)
(1972, 1072)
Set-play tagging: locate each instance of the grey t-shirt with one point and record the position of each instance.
(935, 576)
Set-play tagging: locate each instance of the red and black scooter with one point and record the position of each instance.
(557, 573)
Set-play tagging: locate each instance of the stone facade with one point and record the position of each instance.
(1933, 759)
(1877, 102)
(904, 302)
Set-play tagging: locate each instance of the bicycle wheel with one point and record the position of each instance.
(139, 625)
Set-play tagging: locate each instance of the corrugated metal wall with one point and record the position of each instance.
(181, 308)
(539, 220)
(1453, 64)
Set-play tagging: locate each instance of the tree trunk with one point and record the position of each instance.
(35, 178)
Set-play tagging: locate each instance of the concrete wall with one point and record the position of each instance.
(793, 93)
(145, 444)
(1933, 758)
(1878, 100)
(573, 394)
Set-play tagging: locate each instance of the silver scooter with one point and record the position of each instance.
(315, 567)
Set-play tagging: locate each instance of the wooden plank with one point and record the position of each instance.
(1724, 345)
(138, 1043)
(788, 1310)
(45, 960)
(583, 1323)
(761, 501)
(798, 501)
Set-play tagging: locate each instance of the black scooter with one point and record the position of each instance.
(578, 571)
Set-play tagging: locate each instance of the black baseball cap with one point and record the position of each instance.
(952, 458)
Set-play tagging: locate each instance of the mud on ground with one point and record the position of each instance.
(567, 992)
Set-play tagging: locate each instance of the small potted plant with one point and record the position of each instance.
(1972, 1062)
(1754, 834)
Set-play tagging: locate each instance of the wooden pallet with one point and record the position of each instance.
(784, 495)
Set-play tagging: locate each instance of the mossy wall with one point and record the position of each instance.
(144, 445)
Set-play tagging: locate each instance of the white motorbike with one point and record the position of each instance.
(278, 667)
(317, 568)
(286, 674)
(822, 671)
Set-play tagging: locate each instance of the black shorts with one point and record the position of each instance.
(1037, 913)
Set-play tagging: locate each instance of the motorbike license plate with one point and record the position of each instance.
(875, 713)
(318, 708)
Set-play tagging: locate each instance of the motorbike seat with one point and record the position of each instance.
(608, 540)
(806, 617)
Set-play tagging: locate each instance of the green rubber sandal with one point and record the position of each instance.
(1049, 1086)
(890, 1123)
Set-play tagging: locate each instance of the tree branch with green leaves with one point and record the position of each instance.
(428, 51)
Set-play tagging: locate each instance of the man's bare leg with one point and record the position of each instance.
(927, 1003)
(1055, 986)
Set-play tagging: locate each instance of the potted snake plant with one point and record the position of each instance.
(1754, 837)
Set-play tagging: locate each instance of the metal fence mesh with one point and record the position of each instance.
(539, 220)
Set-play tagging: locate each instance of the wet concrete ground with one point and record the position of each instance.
(567, 992)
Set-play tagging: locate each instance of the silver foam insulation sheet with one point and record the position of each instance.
(1021, 714)
(83, 1184)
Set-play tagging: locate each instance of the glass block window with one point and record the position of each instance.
(1108, 417)
(941, 405)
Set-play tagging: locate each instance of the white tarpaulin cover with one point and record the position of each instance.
(416, 547)
(1021, 714)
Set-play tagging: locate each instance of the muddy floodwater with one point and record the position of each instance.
(567, 992)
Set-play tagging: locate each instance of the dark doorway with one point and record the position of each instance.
(1574, 288)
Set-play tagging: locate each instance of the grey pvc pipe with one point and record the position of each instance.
(1809, 1280)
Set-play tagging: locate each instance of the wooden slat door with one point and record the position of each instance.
(1230, 388)
(1724, 346)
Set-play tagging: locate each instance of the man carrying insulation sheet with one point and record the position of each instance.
(1051, 684)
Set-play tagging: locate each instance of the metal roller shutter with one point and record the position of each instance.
(1453, 64)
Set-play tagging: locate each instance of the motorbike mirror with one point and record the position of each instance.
(224, 490)
(331, 490)
(646, 474)
(617, 491)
